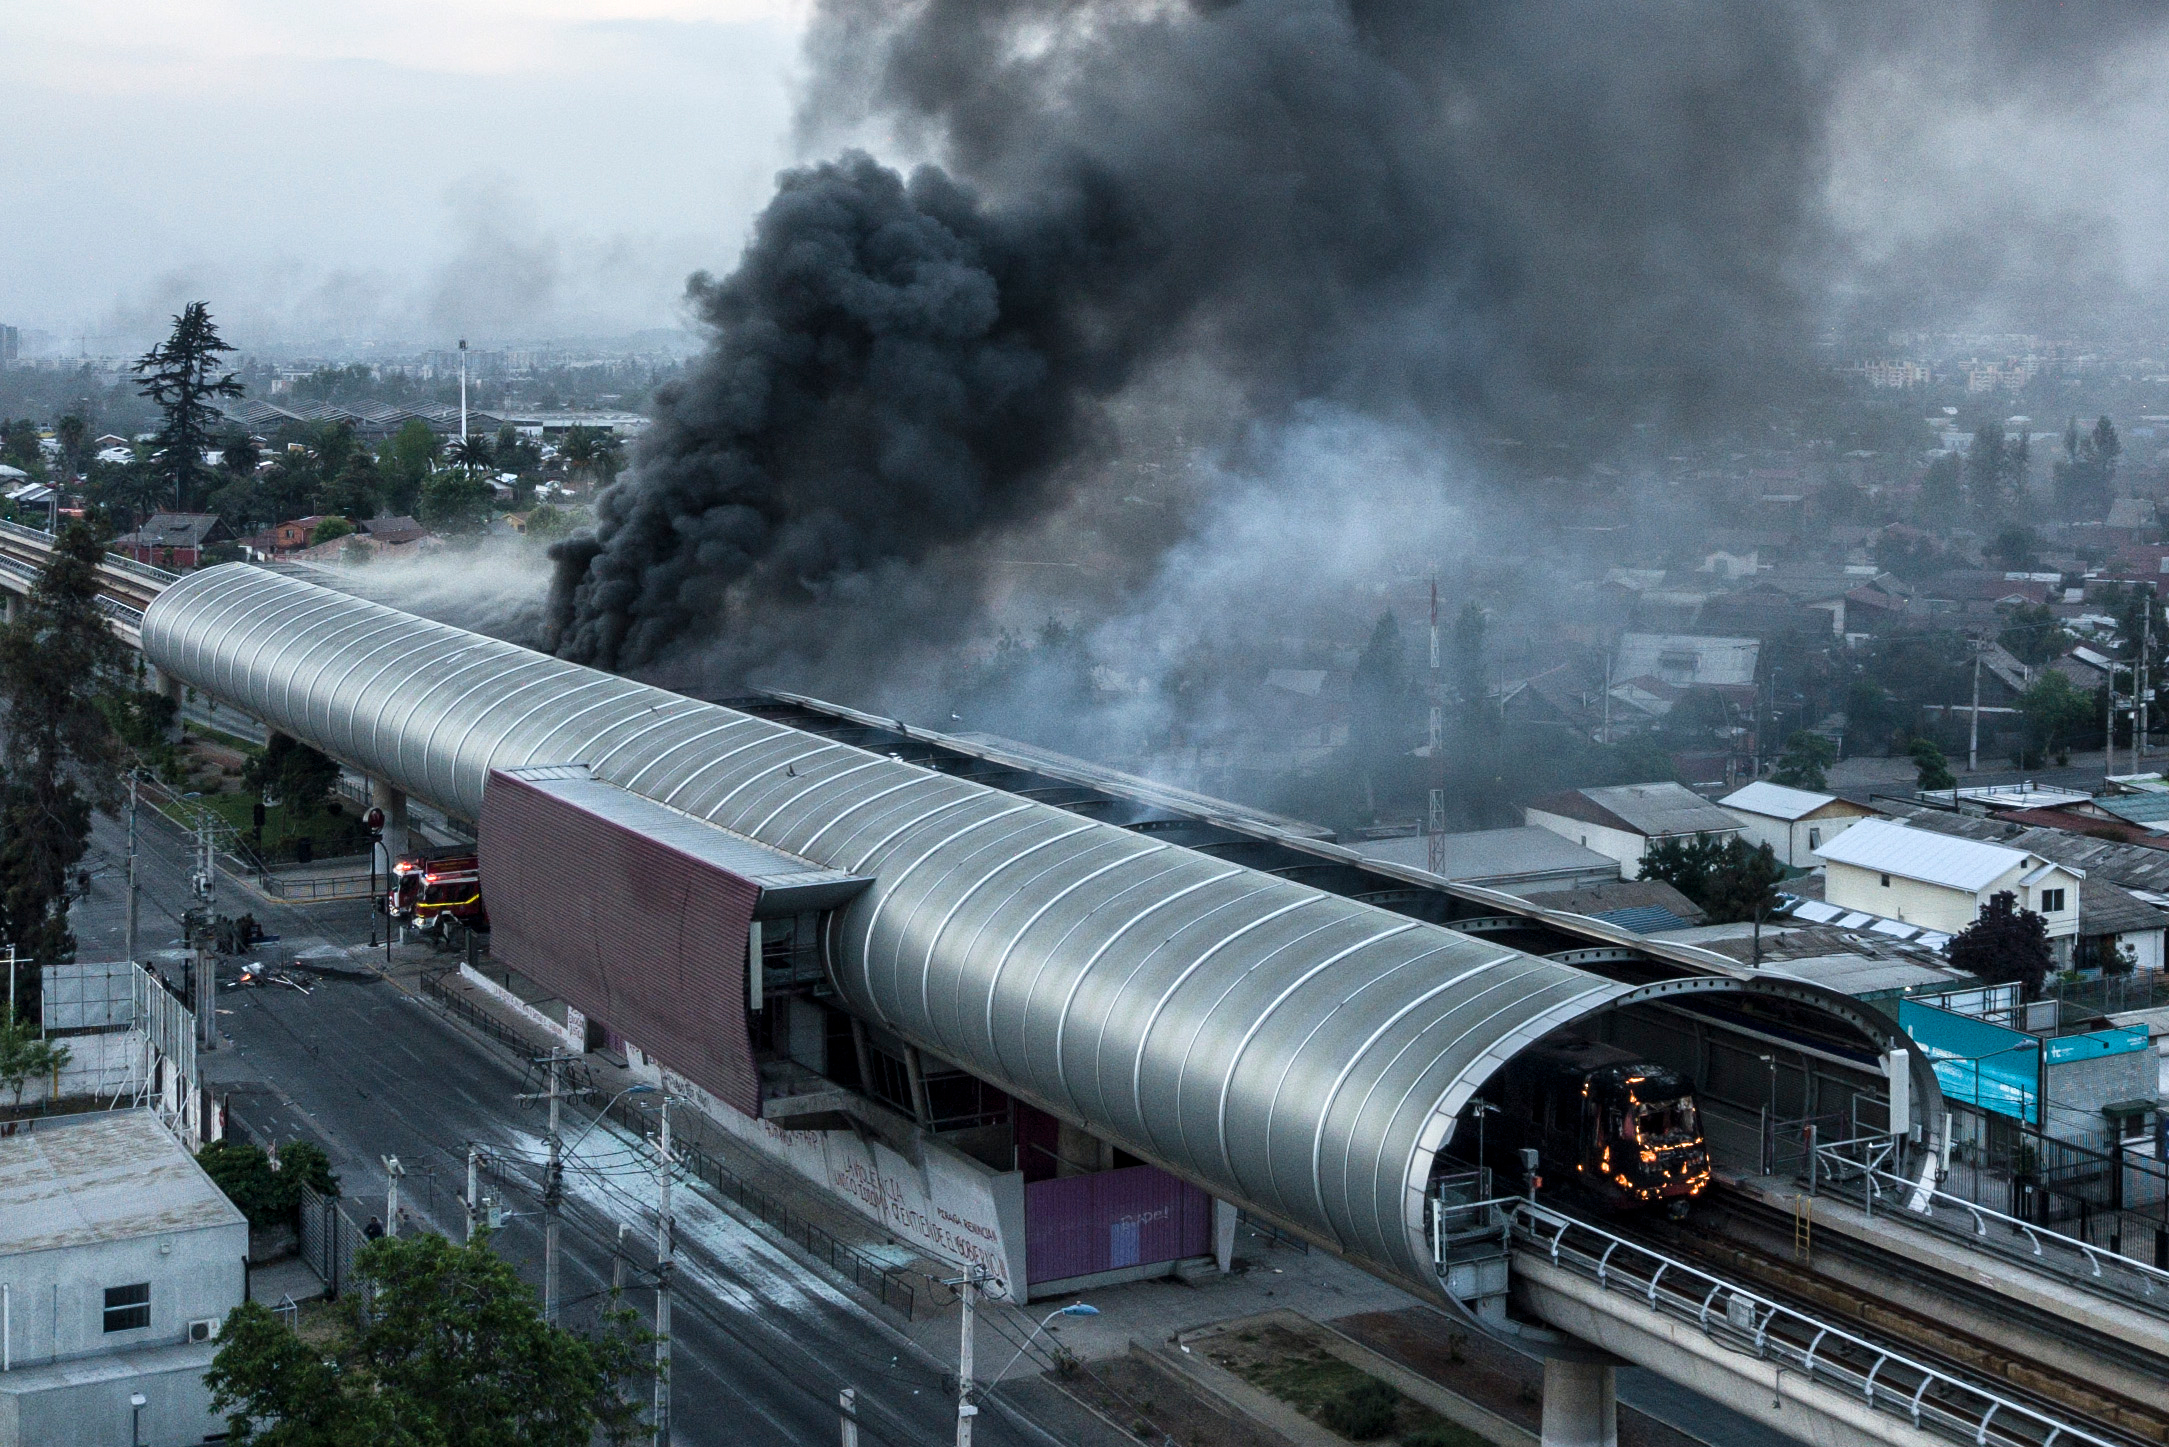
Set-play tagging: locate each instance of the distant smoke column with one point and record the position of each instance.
(894, 367)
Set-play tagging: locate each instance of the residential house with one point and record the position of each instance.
(1622, 821)
(174, 539)
(291, 537)
(1920, 876)
(2139, 872)
(119, 1259)
(1793, 822)
(1688, 660)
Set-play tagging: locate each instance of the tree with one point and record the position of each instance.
(267, 1192)
(1805, 761)
(73, 435)
(24, 1056)
(1934, 770)
(2032, 635)
(59, 668)
(2003, 944)
(2016, 547)
(330, 529)
(473, 453)
(1988, 471)
(182, 376)
(2056, 713)
(1743, 885)
(1378, 723)
(2086, 477)
(404, 463)
(456, 503)
(299, 775)
(445, 1347)
(1942, 490)
(1730, 880)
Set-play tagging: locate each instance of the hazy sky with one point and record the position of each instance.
(410, 170)
(390, 168)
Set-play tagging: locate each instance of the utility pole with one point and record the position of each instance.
(474, 1172)
(663, 1260)
(463, 389)
(206, 940)
(1435, 824)
(2108, 739)
(1973, 735)
(132, 889)
(392, 1172)
(553, 1182)
(967, 1287)
(2146, 650)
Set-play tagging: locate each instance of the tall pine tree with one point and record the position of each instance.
(184, 377)
(58, 665)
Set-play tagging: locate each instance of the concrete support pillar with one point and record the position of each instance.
(394, 804)
(1225, 1214)
(1581, 1408)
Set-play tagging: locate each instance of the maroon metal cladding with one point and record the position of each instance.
(629, 930)
(1135, 1216)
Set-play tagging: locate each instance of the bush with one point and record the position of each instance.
(267, 1195)
(1364, 1411)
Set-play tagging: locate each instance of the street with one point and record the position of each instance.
(762, 1345)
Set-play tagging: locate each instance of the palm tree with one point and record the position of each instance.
(579, 449)
(472, 452)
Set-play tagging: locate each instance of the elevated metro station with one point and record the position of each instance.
(1064, 1025)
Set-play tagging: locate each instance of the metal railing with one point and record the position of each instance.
(472, 1014)
(1729, 1315)
(884, 1282)
(1856, 1170)
(119, 562)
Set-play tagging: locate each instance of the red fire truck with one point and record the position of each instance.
(438, 891)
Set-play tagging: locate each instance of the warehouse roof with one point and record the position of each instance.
(1651, 810)
(111, 1179)
(1931, 858)
(1496, 856)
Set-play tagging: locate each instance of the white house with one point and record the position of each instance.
(1942, 882)
(1622, 821)
(119, 1259)
(1793, 822)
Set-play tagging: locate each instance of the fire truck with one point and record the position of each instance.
(438, 892)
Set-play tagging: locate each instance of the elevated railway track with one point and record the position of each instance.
(1262, 1013)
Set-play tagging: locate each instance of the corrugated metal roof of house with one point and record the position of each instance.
(1921, 854)
(1775, 800)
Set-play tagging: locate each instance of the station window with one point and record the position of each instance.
(2052, 900)
(128, 1308)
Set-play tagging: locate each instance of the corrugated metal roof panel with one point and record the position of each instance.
(1918, 854)
(1775, 801)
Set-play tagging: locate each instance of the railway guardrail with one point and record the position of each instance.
(1933, 1400)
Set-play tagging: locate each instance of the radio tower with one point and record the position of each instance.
(1435, 826)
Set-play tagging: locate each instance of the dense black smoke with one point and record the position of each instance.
(1459, 217)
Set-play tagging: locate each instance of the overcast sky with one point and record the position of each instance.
(404, 169)
(413, 170)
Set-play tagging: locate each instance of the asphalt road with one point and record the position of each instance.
(762, 1345)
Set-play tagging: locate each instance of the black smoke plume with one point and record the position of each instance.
(1453, 216)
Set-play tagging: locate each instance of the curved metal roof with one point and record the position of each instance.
(1291, 1050)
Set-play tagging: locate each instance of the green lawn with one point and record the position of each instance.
(334, 835)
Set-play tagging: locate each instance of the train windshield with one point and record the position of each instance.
(1663, 1121)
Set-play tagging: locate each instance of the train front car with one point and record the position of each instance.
(1643, 1141)
(1620, 1132)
